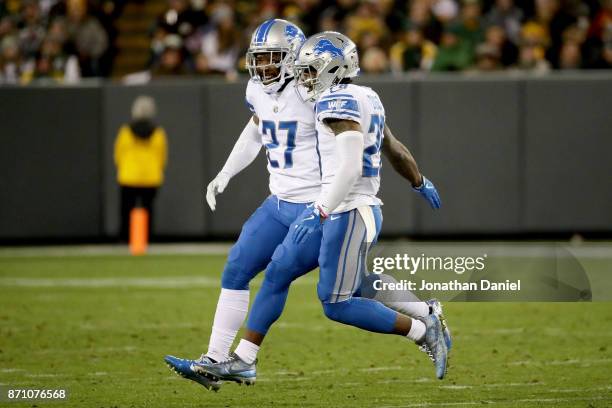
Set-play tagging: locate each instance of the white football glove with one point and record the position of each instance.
(216, 187)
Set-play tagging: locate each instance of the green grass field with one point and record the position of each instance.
(99, 326)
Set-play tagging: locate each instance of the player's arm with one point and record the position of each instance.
(401, 159)
(349, 149)
(404, 163)
(244, 152)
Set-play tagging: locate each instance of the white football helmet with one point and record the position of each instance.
(323, 61)
(272, 37)
(350, 55)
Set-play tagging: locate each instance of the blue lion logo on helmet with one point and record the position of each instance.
(325, 45)
(292, 32)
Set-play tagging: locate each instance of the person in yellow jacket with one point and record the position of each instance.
(141, 154)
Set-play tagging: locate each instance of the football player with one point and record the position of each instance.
(344, 221)
(285, 125)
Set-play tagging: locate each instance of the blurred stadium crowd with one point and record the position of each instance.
(50, 39)
(70, 39)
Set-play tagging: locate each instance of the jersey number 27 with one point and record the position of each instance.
(268, 127)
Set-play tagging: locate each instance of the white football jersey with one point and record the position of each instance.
(362, 105)
(287, 128)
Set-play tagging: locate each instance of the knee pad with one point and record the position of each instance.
(282, 268)
(275, 273)
(334, 311)
(235, 277)
(236, 274)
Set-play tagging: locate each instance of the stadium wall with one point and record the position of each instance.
(509, 155)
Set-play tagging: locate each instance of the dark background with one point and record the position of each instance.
(510, 156)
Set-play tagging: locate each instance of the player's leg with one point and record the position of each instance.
(345, 243)
(264, 230)
(289, 262)
(260, 235)
(404, 301)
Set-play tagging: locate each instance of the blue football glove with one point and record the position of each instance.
(308, 222)
(429, 192)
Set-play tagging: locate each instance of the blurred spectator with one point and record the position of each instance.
(374, 61)
(445, 11)
(53, 64)
(531, 58)
(602, 20)
(335, 13)
(10, 61)
(180, 18)
(604, 60)
(454, 54)
(412, 51)
(421, 15)
(533, 33)
(532, 51)
(488, 58)
(214, 34)
(220, 44)
(89, 38)
(570, 57)
(141, 151)
(31, 29)
(366, 21)
(328, 21)
(172, 59)
(496, 37)
(7, 26)
(304, 13)
(554, 20)
(606, 56)
(506, 15)
(470, 29)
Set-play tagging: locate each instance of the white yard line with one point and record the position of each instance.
(72, 351)
(42, 375)
(511, 385)
(10, 370)
(99, 374)
(375, 369)
(578, 390)
(169, 282)
(574, 361)
(595, 250)
(115, 250)
(417, 381)
(490, 402)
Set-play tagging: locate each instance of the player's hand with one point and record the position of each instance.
(429, 193)
(215, 187)
(308, 222)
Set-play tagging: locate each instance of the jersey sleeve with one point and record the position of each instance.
(341, 105)
(250, 97)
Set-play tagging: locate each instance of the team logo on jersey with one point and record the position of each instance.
(325, 45)
(336, 105)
